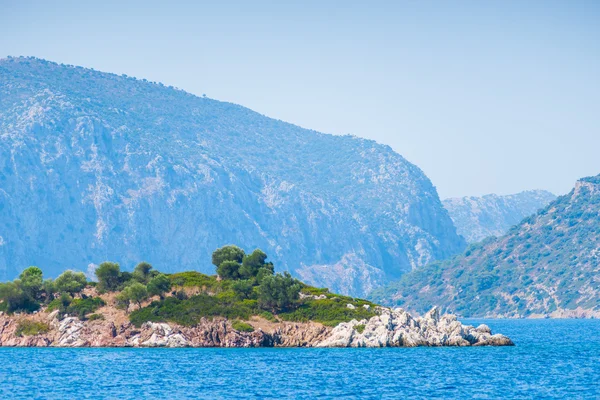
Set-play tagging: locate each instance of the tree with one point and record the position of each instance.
(70, 282)
(159, 285)
(278, 291)
(108, 274)
(253, 262)
(227, 253)
(229, 270)
(267, 270)
(31, 282)
(137, 292)
(141, 272)
(13, 298)
(244, 289)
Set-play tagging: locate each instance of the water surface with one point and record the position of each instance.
(552, 359)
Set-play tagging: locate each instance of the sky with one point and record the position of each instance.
(484, 96)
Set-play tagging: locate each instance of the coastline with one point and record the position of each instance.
(391, 328)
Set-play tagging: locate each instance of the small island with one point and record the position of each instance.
(246, 304)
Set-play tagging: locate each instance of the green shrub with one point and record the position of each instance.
(268, 316)
(360, 328)
(76, 307)
(188, 312)
(96, 317)
(278, 292)
(329, 312)
(31, 328)
(194, 279)
(314, 291)
(242, 326)
(82, 307)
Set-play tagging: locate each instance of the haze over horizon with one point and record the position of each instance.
(494, 98)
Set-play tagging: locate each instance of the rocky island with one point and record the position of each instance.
(245, 305)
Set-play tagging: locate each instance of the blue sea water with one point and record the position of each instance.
(551, 359)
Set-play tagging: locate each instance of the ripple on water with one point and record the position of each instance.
(551, 359)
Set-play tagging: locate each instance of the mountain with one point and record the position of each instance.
(548, 265)
(477, 218)
(96, 166)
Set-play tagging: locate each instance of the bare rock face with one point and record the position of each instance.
(477, 218)
(129, 170)
(397, 328)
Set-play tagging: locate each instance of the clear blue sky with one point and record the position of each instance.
(484, 96)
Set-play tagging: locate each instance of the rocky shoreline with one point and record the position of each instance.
(391, 328)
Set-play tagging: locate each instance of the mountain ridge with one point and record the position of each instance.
(97, 164)
(477, 218)
(546, 266)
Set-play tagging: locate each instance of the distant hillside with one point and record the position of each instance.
(477, 218)
(97, 166)
(549, 264)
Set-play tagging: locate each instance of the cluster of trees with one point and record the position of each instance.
(135, 287)
(255, 279)
(30, 290)
(246, 277)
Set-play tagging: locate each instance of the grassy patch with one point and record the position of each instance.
(96, 317)
(188, 312)
(329, 312)
(242, 326)
(196, 279)
(31, 328)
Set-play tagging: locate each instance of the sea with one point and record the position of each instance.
(552, 359)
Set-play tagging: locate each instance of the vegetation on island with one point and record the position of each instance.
(547, 263)
(245, 286)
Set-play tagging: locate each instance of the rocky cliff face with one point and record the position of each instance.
(95, 166)
(477, 218)
(392, 328)
(545, 266)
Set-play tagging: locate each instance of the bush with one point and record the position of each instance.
(31, 328)
(194, 279)
(242, 326)
(189, 312)
(360, 328)
(76, 307)
(82, 307)
(329, 312)
(96, 317)
(278, 292)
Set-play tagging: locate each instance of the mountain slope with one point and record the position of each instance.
(549, 264)
(476, 218)
(96, 166)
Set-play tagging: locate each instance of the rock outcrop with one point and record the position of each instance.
(397, 328)
(391, 328)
